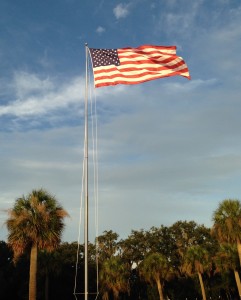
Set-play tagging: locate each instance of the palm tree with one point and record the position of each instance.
(227, 223)
(114, 277)
(35, 222)
(227, 259)
(196, 261)
(155, 268)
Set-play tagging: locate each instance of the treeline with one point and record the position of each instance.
(178, 262)
(130, 268)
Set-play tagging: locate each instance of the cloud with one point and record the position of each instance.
(192, 85)
(100, 29)
(26, 84)
(180, 22)
(35, 96)
(121, 10)
(217, 50)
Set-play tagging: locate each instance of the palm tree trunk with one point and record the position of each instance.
(116, 294)
(46, 285)
(239, 250)
(237, 278)
(33, 273)
(105, 296)
(159, 286)
(202, 286)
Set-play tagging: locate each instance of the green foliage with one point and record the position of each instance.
(135, 247)
(35, 219)
(226, 258)
(129, 268)
(114, 277)
(107, 245)
(227, 221)
(155, 267)
(35, 222)
(197, 260)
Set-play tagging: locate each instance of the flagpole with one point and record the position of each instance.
(86, 213)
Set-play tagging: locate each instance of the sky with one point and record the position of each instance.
(168, 149)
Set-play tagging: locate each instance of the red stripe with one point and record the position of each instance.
(108, 78)
(143, 53)
(151, 60)
(135, 82)
(141, 74)
(129, 69)
(148, 46)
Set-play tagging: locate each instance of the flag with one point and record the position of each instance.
(135, 65)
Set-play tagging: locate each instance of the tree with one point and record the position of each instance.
(188, 234)
(134, 248)
(114, 276)
(227, 259)
(227, 223)
(35, 222)
(196, 261)
(155, 268)
(107, 244)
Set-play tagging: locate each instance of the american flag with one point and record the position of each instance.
(136, 65)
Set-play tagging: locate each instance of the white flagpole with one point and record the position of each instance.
(86, 213)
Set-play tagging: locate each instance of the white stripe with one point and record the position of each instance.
(139, 78)
(137, 73)
(137, 69)
(164, 50)
(158, 58)
(159, 61)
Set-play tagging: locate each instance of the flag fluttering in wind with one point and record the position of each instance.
(136, 65)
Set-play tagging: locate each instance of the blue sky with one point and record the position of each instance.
(168, 149)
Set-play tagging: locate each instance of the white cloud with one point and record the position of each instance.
(100, 29)
(26, 83)
(190, 85)
(180, 22)
(44, 60)
(36, 96)
(121, 10)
